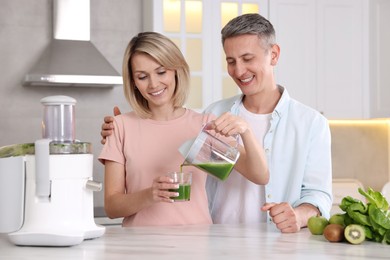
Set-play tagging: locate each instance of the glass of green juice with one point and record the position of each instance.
(184, 179)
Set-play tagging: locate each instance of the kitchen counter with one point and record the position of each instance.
(262, 241)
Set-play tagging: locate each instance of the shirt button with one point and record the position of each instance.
(266, 150)
(269, 196)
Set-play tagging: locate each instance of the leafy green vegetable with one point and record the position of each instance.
(374, 215)
(358, 217)
(348, 220)
(387, 236)
(55, 148)
(347, 201)
(368, 232)
(17, 150)
(375, 197)
(379, 216)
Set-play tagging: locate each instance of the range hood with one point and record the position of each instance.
(71, 59)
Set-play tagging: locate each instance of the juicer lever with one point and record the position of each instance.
(93, 185)
(42, 169)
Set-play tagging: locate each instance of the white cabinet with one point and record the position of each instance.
(295, 28)
(324, 50)
(334, 56)
(379, 13)
(342, 41)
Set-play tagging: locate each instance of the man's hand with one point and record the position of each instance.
(229, 125)
(288, 219)
(107, 126)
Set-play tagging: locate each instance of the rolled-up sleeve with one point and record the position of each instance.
(113, 148)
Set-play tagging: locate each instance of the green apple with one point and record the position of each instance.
(317, 224)
(337, 219)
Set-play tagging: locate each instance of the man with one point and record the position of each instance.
(296, 138)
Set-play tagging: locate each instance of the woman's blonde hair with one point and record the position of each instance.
(168, 55)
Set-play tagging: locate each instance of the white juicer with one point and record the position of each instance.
(46, 188)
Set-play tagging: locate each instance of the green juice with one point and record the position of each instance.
(219, 170)
(184, 192)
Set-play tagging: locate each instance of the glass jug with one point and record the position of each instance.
(211, 153)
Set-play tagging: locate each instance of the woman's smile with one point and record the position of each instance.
(157, 93)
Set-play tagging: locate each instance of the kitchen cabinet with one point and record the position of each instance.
(324, 50)
(333, 56)
(379, 13)
(333, 52)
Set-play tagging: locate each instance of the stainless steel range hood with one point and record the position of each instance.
(71, 59)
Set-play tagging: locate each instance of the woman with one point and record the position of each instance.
(144, 145)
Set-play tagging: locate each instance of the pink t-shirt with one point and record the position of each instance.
(149, 149)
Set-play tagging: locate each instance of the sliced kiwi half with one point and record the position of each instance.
(354, 234)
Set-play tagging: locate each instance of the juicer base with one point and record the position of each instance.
(54, 238)
(45, 239)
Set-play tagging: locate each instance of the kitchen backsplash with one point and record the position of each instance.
(361, 150)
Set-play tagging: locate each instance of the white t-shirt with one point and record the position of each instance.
(240, 198)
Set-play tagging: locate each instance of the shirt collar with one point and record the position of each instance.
(280, 109)
(282, 105)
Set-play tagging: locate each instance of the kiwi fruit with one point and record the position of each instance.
(334, 232)
(354, 234)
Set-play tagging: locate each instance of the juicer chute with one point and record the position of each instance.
(58, 122)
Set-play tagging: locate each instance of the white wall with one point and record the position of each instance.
(25, 31)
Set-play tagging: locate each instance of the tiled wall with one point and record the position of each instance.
(360, 150)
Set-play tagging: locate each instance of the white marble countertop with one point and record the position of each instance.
(215, 242)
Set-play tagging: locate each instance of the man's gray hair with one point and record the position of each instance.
(254, 24)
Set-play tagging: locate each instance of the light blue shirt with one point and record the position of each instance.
(298, 151)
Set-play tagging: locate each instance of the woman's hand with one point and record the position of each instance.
(108, 126)
(118, 203)
(160, 189)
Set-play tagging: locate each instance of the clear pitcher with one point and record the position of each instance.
(212, 153)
